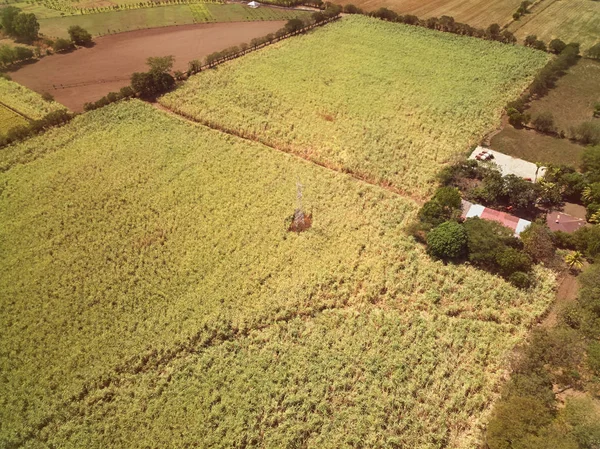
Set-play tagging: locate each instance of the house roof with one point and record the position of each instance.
(559, 221)
(517, 224)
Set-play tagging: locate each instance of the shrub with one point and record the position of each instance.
(447, 241)
(485, 239)
(544, 122)
(79, 35)
(594, 51)
(511, 260)
(591, 163)
(520, 279)
(61, 45)
(520, 194)
(538, 242)
(593, 358)
(195, 66)
(46, 96)
(556, 46)
(587, 133)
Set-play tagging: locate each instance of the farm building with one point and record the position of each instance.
(517, 224)
(254, 5)
(559, 221)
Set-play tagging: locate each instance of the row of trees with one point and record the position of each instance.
(20, 25)
(522, 10)
(10, 55)
(55, 118)
(445, 23)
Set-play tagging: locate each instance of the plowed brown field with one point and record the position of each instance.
(88, 74)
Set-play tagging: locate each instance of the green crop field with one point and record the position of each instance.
(135, 19)
(388, 102)
(9, 119)
(25, 101)
(207, 12)
(152, 297)
(119, 21)
(569, 20)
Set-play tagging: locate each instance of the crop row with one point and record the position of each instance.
(25, 101)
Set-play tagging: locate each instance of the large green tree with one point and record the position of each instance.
(26, 27)
(447, 241)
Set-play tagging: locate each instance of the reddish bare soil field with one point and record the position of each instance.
(87, 74)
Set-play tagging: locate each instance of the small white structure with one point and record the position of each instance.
(253, 4)
(509, 165)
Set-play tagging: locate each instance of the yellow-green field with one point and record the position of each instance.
(388, 102)
(569, 20)
(152, 297)
(25, 101)
(102, 23)
(10, 119)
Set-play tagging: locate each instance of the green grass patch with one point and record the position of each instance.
(25, 101)
(535, 147)
(388, 102)
(572, 100)
(119, 21)
(149, 282)
(102, 23)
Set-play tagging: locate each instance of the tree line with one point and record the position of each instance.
(160, 78)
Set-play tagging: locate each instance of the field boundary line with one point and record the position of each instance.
(339, 170)
(15, 111)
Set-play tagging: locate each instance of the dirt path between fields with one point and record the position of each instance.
(419, 201)
(88, 74)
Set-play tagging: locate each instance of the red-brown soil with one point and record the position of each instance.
(88, 74)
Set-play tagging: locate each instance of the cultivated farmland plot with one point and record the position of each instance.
(478, 13)
(390, 103)
(162, 16)
(153, 297)
(569, 20)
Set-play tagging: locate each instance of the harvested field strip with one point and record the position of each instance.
(350, 95)
(478, 13)
(180, 234)
(569, 20)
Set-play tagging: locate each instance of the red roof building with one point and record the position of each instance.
(559, 221)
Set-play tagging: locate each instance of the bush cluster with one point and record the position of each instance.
(55, 118)
(485, 244)
(10, 55)
(445, 23)
(111, 97)
(484, 183)
(566, 356)
(20, 25)
(522, 10)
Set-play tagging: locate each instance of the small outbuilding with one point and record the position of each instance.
(559, 221)
(253, 4)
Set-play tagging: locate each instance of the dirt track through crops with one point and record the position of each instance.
(88, 74)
